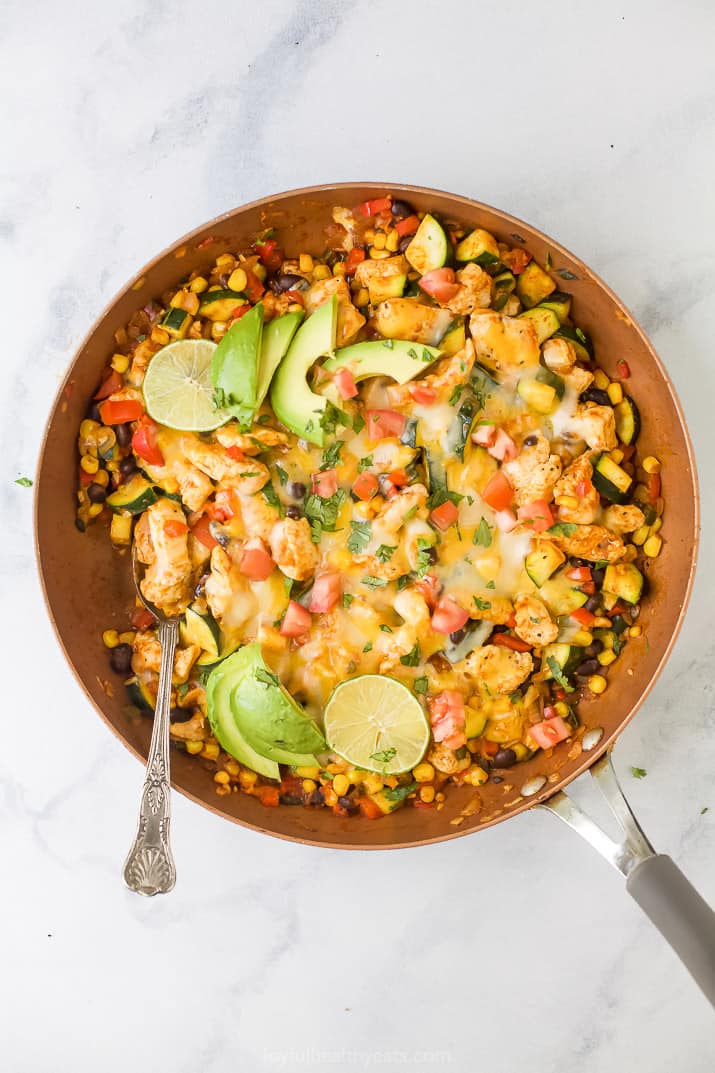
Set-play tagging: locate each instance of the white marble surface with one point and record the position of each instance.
(124, 126)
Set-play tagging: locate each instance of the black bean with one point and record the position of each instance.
(296, 489)
(290, 799)
(348, 803)
(288, 282)
(497, 778)
(180, 715)
(120, 659)
(598, 574)
(293, 512)
(588, 667)
(592, 603)
(97, 493)
(404, 243)
(531, 441)
(127, 466)
(593, 649)
(619, 624)
(573, 561)
(201, 585)
(93, 413)
(504, 758)
(123, 434)
(594, 394)
(401, 209)
(458, 635)
(219, 534)
(433, 554)
(316, 798)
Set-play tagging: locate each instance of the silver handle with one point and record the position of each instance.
(149, 868)
(668, 899)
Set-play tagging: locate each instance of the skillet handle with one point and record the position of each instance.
(682, 917)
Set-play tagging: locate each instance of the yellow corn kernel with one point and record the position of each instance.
(120, 362)
(88, 429)
(341, 784)
(339, 269)
(423, 772)
(656, 526)
(238, 280)
(110, 638)
(321, 272)
(89, 463)
(597, 683)
(226, 260)
(222, 777)
(194, 747)
(295, 307)
(159, 336)
(380, 240)
(369, 235)
(379, 255)
(362, 297)
(635, 631)
(210, 751)
(127, 638)
(223, 790)
(427, 794)
(309, 785)
(101, 478)
(120, 530)
(602, 623)
(615, 393)
(307, 772)
(198, 285)
(566, 501)
(521, 751)
(475, 776)
(247, 779)
(582, 638)
(439, 797)
(336, 767)
(651, 464)
(562, 709)
(305, 262)
(355, 776)
(651, 547)
(616, 454)
(392, 241)
(232, 767)
(607, 657)
(641, 535)
(600, 380)
(218, 330)
(372, 783)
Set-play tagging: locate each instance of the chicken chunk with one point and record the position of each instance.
(377, 275)
(505, 346)
(259, 516)
(446, 759)
(228, 593)
(533, 622)
(246, 477)
(394, 513)
(500, 669)
(147, 657)
(576, 481)
(168, 579)
(350, 321)
(449, 372)
(623, 519)
(534, 472)
(258, 439)
(194, 729)
(475, 291)
(184, 660)
(597, 425)
(592, 542)
(578, 379)
(292, 548)
(559, 355)
(490, 608)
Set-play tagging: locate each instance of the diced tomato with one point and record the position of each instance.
(296, 620)
(507, 640)
(175, 528)
(628, 449)
(120, 411)
(511, 622)
(269, 796)
(202, 532)
(583, 617)
(515, 260)
(444, 515)
(254, 287)
(327, 590)
(617, 609)
(144, 443)
(235, 453)
(345, 383)
(448, 616)
(383, 423)
(489, 748)
(85, 479)
(369, 808)
(498, 493)
(325, 483)
(484, 434)
(583, 488)
(536, 515)
(270, 254)
(588, 587)
(423, 804)
(429, 588)
(398, 477)
(440, 284)
(503, 447)
(141, 618)
(239, 311)
(408, 226)
(447, 717)
(623, 369)
(378, 204)
(654, 488)
(353, 259)
(505, 520)
(255, 562)
(549, 711)
(549, 732)
(579, 573)
(109, 385)
(223, 506)
(366, 485)
(422, 394)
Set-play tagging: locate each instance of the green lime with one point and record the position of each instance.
(177, 387)
(376, 723)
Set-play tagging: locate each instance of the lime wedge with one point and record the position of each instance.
(376, 723)
(177, 387)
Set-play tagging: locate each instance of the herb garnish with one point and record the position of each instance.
(282, 475)
(24, 482)
(364, 463)
(385, 755)
(420, 685)
(266, 678)
(347, 599)
(638, 772)
(412, 658)
(374, 582)
(562, 529)
(424, 557)
(359, 537)
(399, 793)
(482, 605)
(385, 552)
(558, 674)
(483, 534)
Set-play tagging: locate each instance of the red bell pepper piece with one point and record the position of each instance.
(270, 254)
(144, 443)
(379, 204)
(408, 226)
(120, 411)
(623, 369)
(270, 796)
(583, 617)
(365, 486)
(141, 619)
(111, 384)
(444, 515)
(507, 640)
(353, 259)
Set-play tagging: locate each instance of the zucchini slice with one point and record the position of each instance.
(176, 322)
(567, 656)
(139, 695)
(430, 248)
(537, 395)
(477, 632)
(200, 628)
(383, 279)
(560, 303)
(475, 722)
(547, 376)
(580, 341)
(504, 284)
(479, 246)
(454, 338)
(544, 320)
(459, 433)
(560, 596)
(543, 561)
(628, 420)
(408, 318)
(220, 304)
(134, 496)
(534, 284)
(625, 581)
(610, 480)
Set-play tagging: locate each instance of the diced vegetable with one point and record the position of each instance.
(144, 442)
(430, 248)
(345, 383)
(560, 303)
(372, 208)
(422, 394)
(134, 496)
(325, 483)
(120, 411)
(200, 628)
(625, 581)
(503, 285)
(508, 640)
(543, 561)
(454, 338)
(176, 322)
(109, 386)
(534, 284)
(560, 596)
(628, 420)
(326, 591)
(296, 620)
(447, 717)
(383, 423)
(537, 395)
(610, 480)
(479, 246)
(409, 318)
(537, 515)
(444, 515)
(503, 447)
(203, 533)
(549, 732)
(440, 284)
(221, 304)
(366, 486)
(498, 493)
(506, 520)
(579, 340)
(408, 226)
(547, 376)
(448, 616)
(544, 320)
(255, 562)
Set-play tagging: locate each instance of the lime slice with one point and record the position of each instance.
(376, 723)
(177, 387)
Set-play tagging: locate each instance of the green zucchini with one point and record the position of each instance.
(176, 322)
(132, 497)
(430, 248)
(580, 341)
(383, 279)
(543, 561)
(560, 303)
(546, 376)
(408, 318)
(625, 581)
(475, 723)
(504, 284)
(409, 432)
(480, 247)
(628, 420)
(537, 395)
(544, 320)
(459, 434)
(220, 304)
(476, 633)
(610, 480)
(534, 284)
(560, 596)
(139, 695)
(200, 628)
(454, 338)
(567, 656)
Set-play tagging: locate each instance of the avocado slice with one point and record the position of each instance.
(293, 402)
(234, 366)
(398, 358)
(277, 336)
(225, 728)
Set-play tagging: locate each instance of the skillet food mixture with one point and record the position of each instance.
(394, 500)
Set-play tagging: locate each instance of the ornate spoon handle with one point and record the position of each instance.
(149, 868)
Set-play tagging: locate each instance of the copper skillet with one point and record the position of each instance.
(73, 565)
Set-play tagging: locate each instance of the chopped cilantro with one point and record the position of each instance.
(558, 674)
(456, 394)
(24, 482)
(420, 685)
(368, 647)
(548, 262)
(282, 475)
(424, 557)
(385, 628)
(385, 552)
(638, 772)
(412, 353)
(358, 423)
(385, 755)
(331, 455)
(565, 274)
(359, 537)
(250, 473)
(483, 535)
(402, 582)
(347, 599)
(426, 356)
(332, 417)
(374, 582)
(514, 698)
(263, 419)
(562, 529)
(271, 496)
(491, 585)
(389, 343)
(412, 658)
(267, 678)
(288, 585)
(399, 793)
(322, 514)
(364, 463)
(482, 605)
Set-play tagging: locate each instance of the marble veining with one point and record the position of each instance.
(517, 949)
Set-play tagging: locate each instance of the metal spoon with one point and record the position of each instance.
(149, 867)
